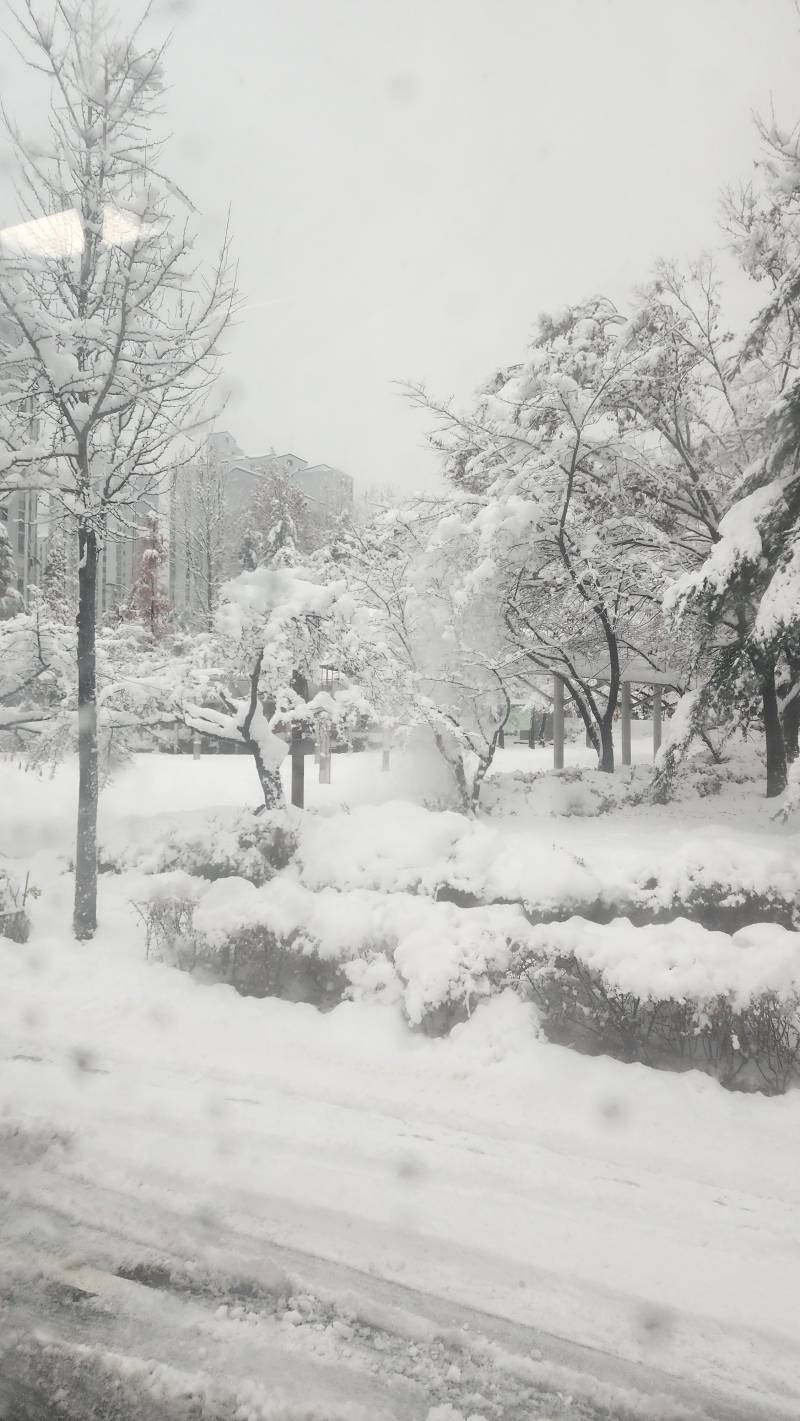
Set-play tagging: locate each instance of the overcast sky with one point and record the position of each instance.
(412, 181)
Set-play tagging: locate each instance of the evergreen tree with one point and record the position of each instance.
(55, 577)
(277, 527)
(10, 600)
(149, 601)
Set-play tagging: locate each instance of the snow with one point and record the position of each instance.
(608, 1231)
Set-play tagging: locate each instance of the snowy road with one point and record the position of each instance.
(176, 1248)
(270, 1331)
(294, 1336)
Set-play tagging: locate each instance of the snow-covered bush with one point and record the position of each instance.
(454, 959)
(282, 939)
(757, 1048)
(581, 792)
(166, 910)
(575, 792)
(725, 880)
(220, 843)
(14, 919)
(681, 775)
(673, 996)
(237, 940)
(259, 964)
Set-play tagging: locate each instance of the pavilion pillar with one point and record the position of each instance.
(656, 720)
(324, 752)
(298, 765)
(558, 723)
(626, 722)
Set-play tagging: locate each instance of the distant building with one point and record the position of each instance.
(206, 508)
(36, 523)
(327, 487)
(209, 507)
(26, 516)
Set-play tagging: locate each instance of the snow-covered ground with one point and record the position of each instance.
(249, 1207)
(158, 783)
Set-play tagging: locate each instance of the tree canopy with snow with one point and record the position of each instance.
(549, 465)
(429, 642)
(275, 627)
(743, 594)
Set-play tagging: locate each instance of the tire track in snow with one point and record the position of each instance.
(90, 1336)
(300, 1310)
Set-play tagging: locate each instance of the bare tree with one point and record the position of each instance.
(112, 330)
(203, 537)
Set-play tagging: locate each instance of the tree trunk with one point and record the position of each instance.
(85, 908)
(456, 767)
(209, 592)
(592, 721)
(606, 759)
(791, 711)
(269, 776)
(592, 728)
(269, 779)
(791, 728)
(776, 751)
(606, 720)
